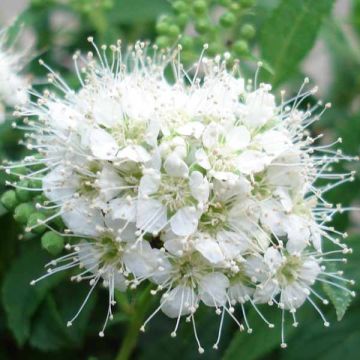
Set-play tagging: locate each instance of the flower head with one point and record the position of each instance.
(203, 185)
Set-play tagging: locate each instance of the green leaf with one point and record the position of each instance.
(247, 346)
(341, 299)
(290, 32)
(50, 331)
(156, 340)
(314, 342)
(20, 299)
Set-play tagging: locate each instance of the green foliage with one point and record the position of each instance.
(21, 300)
(338, 341)
(248, 347)
(290, 32)
(50, 331)
(340, 298)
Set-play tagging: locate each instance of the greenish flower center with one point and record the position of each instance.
(289, 271)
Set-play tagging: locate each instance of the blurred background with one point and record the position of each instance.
(294, 38)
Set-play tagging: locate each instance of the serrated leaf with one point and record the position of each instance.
(290, 32)
(20, 299)
(341, 299)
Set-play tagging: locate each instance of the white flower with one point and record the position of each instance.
(175, 198)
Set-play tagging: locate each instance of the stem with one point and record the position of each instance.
(139, 310)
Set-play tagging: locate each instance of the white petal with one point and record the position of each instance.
(199, 187)
(284, 198)
(149, 183)
(184, 222)
(212, 289)
(107, 111)
(260, 108)
(231, 244)
(193, 128)
(252, 161)
(202, 159)
(298, 232)
(273, 258)
(121, 208)
(211, 135)
(123, 230)
(175, 166)
(310, 271)
(179, 301)
(110, 183)
(151, 215)
(134, 153)
(162, 269)
(210, 249)
(238, 138)
(119, 281)
(274, 142)
(60, 183)
(89, 257)
(256, 268)
(140, 260)
(239, 292)
(81, 219)
(293, 296)
(266, 292)
(103, 146)
(174, 246)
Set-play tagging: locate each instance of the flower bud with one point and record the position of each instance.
(23, 194)
(241, 47)
(202, 26)
(228, 19)
(34, 223)
(9, 199)
(22, 212)
(180, 6)
(173, 30)
(199, 6)
(52, 243)
(248, 31)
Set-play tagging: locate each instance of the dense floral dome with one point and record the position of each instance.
(195, 180)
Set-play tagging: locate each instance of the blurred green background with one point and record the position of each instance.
(294, 38)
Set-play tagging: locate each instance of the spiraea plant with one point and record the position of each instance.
(196, 181)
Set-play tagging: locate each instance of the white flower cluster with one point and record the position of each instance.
(202, 185)
(13, 87)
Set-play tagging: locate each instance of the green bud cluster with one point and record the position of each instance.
(210, 28)
(23, 201)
